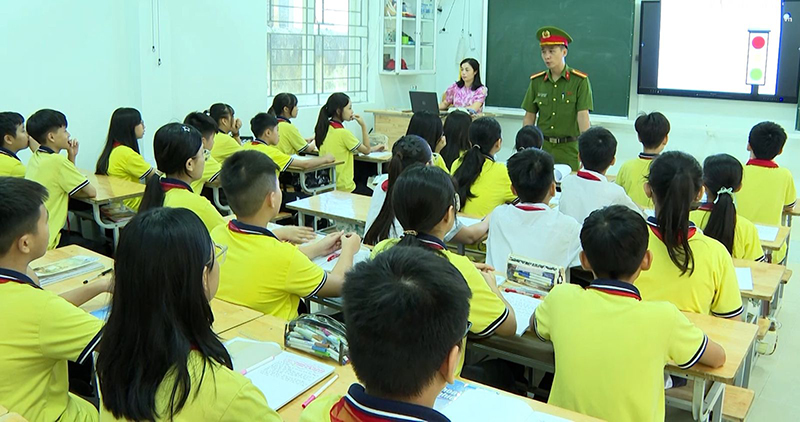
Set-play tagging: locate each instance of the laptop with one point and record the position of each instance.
(424, 101)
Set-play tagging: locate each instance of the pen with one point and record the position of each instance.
(258, 365)
(320, 391)
(106, 271)
(534, 295)
(334, 256)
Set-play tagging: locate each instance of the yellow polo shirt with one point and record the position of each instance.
(223, 395)
(611, 348)
(746, 244)
(210, 173)
(62, 180)
(438, 161)
(291, 141)
(342, 144)
(125, 163)
(179, 195)
(711, 290)
(278, 157)
(263, 273)
(41, 332)
(491, 188)
(632, 177)
(766, 190)
(10, 165)
(224, 146)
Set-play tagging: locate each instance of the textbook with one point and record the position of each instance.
(67, 268)
(462, 402)
(280, 374)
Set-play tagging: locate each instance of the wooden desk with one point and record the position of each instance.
(100, 301)
(302, 173)
(780, 239)
(110, 190)
(346, 207)
(270, 328)
(766, 282)
(378, 158)
(228, 316)
(394, 123)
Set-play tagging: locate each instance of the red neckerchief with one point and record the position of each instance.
(653, 224)
(168, 184)
(588, 176)
(762, 163)
(530, 207)
(336, 125)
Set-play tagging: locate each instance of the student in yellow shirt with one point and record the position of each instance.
(284, 107)
(227, 140)
(767, 189)
(653, 131)
(722, 178)
(265, 129)
(54, 171)
(529, 136)
(14, 139)
(121, 157)
(429, 127)
(262, 272)
(159, 358)
(689, 269)
(425, 202)
(483, 183)
(208, 129)
(332, 138)
(406, 315)
(41, 331)
(456, 132)
(179, 156)
(631, 340)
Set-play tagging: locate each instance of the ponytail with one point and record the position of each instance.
(218, 111)
(422, 197)
(722, 175)
(153, 195)
(332, 108)
(282, 101)
(407, 151)
(456, 130)
(483, 134)
(675, 179)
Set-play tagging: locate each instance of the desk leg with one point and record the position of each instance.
(114, 227)
(215, 194)
(789, 237)
(716, 415)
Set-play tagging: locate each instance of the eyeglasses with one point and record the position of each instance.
(457, 202)
(469, 327)
(220, 252)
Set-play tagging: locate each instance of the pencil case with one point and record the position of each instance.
(319, 335)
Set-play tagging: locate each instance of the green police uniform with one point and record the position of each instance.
(557, 103)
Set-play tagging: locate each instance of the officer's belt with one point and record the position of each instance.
(560, 140)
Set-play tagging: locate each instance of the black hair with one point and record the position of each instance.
(483, 134)
(722, 171)
(406, 151)
(121, 130)
(531, 174)
(9, 121)
(44, 121)
(476, 83)
(614, 240)
(219, 110)
(421, 198)
(456, 130)
(331, 110)
(428, 126)
(597, 148)
(159, 314)
(766, 140)
(281, 101)
(675, 179)
(530, 136)
(652, 128)
(174, 143)
(247, 178)
(20, 210)
(202, 122)
(261, 122)
(404, 313)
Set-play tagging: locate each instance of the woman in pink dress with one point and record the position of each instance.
(468, 92)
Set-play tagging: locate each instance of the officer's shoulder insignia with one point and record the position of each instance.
(536, 75)
(579, 73)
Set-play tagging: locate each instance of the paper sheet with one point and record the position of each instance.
(745, 278)
(480, 404)
(468, 221)
(287, 376)
(767, 233)
(523, 309)
(382, 154)
(327, 265)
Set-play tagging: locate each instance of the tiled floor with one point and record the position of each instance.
(775, 378)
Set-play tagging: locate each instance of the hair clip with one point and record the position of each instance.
(723, 191)
(410, 232)
(185, 128)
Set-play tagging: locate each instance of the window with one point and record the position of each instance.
(317, 47)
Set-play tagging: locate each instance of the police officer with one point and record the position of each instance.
(560, 96)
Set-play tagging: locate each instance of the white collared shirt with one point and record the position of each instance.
(534, 231)
(587, 191)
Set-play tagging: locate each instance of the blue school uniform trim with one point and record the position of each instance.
(390, 410)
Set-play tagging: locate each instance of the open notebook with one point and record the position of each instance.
(280, 375)
(462, 402)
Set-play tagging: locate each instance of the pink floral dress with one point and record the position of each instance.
(465, 96)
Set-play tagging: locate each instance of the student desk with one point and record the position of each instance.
(270, 328)
(775, 244)
(766, 282)
(346, 207)
(302, 175)
(110, 190)
(394, 123)
(378, 158)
